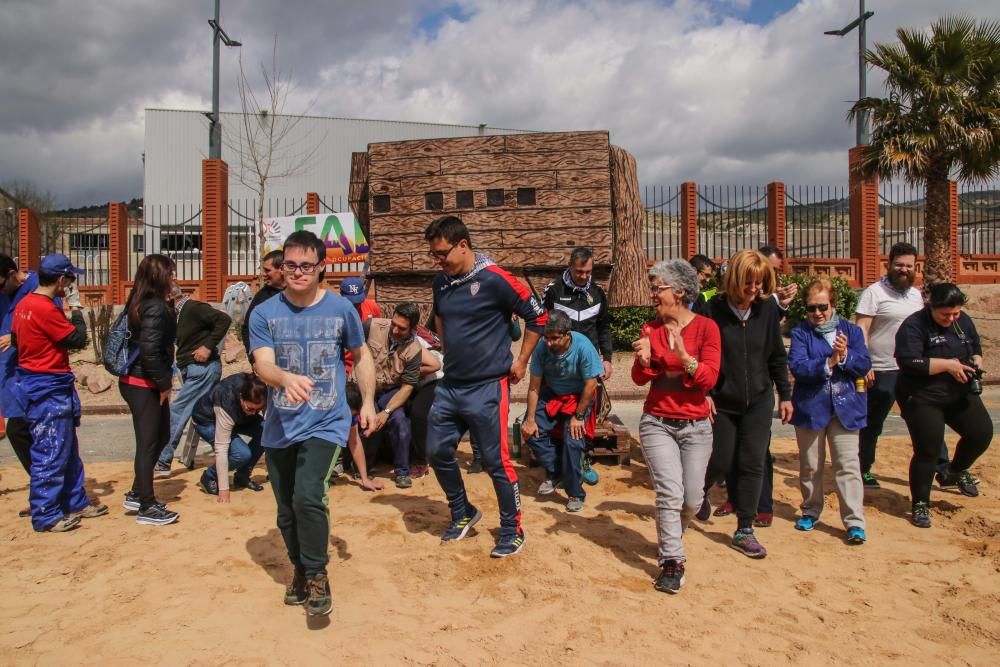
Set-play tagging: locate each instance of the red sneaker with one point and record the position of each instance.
(725, 509)
(763, 519)
(419, 470)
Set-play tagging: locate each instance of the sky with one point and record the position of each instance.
(714, 91)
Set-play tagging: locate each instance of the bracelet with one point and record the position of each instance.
(691, 366)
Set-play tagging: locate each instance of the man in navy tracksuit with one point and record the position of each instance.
(473, 303)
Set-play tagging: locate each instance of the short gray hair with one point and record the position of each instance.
(558, 322)
(680, 275)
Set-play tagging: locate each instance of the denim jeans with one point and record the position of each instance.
(567, 464)
(198, 381)
(243, 453)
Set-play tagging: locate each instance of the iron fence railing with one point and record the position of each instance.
(731, 218)
(817, 221)
(661, 228)
(979, 219)
(83, 240)
(173, 230)
(902, 209)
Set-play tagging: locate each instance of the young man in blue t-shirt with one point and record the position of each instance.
(474, 300)
(564, 375)
(297, 339)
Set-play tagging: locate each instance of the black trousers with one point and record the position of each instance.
(967, 416)
(419, 408)
(740, 444)
(151, 422)
(19, 434)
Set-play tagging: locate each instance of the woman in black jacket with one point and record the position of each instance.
(753, 364)
(940, 357)
(146, 384)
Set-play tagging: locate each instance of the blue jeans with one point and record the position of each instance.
(198, 381)
(400, 434)
(243, 455)
(568, 465)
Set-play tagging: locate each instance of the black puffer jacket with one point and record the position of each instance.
(753, 355)
(155, 340)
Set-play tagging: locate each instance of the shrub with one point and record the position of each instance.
(626, 323)
(847, 298)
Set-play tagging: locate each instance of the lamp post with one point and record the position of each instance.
(214, 126)
(859, 23)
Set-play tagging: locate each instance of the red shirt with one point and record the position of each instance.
(38, 327)
(368, 309)
(673, 393)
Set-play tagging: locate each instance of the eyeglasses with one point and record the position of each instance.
(821, 307)
(307, 268)
(656, 289)
(441, 255)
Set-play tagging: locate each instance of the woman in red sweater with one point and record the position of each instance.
(679, 354)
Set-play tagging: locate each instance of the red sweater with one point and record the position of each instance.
(673, 393)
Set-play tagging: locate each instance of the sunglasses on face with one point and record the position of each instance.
(821, 307)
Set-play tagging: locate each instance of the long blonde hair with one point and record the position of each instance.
(744, 267)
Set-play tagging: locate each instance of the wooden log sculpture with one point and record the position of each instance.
(357, 195)
(628, 274)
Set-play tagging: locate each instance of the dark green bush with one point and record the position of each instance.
(626, 323)
(847, 298)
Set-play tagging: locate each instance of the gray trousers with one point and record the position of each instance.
(846, 471)
(677, 455)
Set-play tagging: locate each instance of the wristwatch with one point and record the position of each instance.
(578, 416)
(387, 411)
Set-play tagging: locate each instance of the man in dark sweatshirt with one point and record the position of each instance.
(200, 330)
(473, 301)
(274, 283)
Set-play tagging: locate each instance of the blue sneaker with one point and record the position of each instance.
(459, 529)
(805, 522)
(856, 535)
(508, 546)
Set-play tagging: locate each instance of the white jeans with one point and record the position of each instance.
(846, 471)
(677, 455)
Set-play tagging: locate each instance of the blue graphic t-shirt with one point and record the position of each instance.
(566, 374)
(307, 341)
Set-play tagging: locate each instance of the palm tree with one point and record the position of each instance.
(941, 117)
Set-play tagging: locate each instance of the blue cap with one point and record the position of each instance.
(353, 290)
(57, 265)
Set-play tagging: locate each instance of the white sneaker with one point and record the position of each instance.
(547, 487)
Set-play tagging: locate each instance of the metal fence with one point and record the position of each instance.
(661, 229)
(979, 219)
(817, 221)
(731, 218)
(173, 230)
(83, 240)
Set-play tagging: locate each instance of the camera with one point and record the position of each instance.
(975, 380)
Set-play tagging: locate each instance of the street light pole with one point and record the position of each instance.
(214, 126)
(859, 23)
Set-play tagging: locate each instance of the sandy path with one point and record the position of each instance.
(208, 590)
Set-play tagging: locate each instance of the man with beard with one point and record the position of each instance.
(882, 308)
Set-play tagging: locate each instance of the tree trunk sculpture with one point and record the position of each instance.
(627, 286)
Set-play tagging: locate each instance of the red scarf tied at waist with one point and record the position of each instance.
(566, 405)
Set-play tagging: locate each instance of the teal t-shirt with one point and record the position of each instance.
(307, 341)
(566, 374)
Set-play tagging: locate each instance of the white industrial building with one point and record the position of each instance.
(176, 142)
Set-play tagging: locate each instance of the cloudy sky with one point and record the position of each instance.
(717, 91)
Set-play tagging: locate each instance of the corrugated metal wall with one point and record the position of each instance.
(177, 141)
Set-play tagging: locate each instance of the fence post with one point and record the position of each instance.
(956, 261)
(214, 226)
(689, 219)
(864, 220)
(776, 216)
(118, 251)
(29, 241)
(312, 203)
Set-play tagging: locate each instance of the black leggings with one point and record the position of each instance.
(966, 416)
(151, 422)
(419, 408)
(739, 443)
(19, 434)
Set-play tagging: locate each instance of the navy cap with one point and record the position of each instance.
(353, 290)
(57, 265)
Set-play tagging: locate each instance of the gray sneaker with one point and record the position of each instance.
(547, 487)
(574, 505)
(63, 525)
(161, 470)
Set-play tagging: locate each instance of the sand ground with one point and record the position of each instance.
(208, 590)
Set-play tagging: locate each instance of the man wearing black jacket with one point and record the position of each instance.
(274, 283)
(584, 302)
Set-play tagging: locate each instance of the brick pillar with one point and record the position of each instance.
(689, 219)
(214, 226)
(29, 241)
(864, 221)
(956, 261)
(119, 250)
(776, 216)
(312, 203)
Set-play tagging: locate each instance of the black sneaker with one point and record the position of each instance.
(248, 483)
(297, 592)
(705, 511)
(161, 470)
(476, 465)
(964, 480)
(459, 529)
(921, 515)
(508, 545)
(671, 577)
(869, 482)
(131, 503)
(209, 486)
(320, 602)
(156, 515)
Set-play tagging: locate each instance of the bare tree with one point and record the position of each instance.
(41, 201)
(265, 144)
